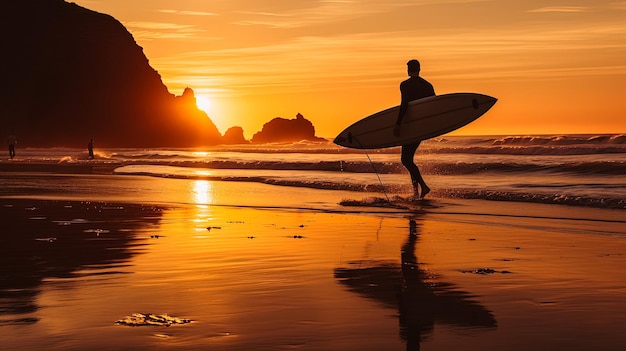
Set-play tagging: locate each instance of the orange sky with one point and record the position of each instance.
(554, 68)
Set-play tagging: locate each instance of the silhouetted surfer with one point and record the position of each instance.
(12, 140)
(411, 89)
(90, 148)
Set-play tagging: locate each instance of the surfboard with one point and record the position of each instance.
(425, 118)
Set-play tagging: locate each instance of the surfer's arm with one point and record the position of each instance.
(404, 106)
(401, 113)
(404, 103)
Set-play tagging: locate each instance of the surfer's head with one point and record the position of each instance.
(413, 66)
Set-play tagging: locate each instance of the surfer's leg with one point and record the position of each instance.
(408, 152)
(425, 190)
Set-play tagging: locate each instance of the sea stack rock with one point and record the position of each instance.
(281, 130)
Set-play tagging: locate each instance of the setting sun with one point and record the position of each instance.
(204, 103)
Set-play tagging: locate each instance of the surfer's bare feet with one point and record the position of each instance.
(416, 194)
(425, 191)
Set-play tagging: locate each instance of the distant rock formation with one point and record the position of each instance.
(286, 130)
(70, 74)
(234, 135)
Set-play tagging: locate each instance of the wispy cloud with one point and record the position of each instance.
(162, 30)
(310, 64)
(188, 13)
(159, 26)
(294, 19)
(328, 12)
(561, 9)
(619, 5)
(324, 12)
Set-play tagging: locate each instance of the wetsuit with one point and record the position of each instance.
(411, 89)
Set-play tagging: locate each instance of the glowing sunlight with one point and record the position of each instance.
(204, 103)
(202, 192)
(201, 154)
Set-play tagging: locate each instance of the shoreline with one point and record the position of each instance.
(98, 167)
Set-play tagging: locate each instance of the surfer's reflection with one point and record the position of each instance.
(421, 299)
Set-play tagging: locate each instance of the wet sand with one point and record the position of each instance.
(260, 267)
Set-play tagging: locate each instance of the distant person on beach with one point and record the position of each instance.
(90, 148)
(411, 89)
(12, 140)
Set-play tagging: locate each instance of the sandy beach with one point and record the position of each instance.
(263, 267)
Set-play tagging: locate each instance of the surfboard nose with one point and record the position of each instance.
(343, 139)
(340, 140)
(484, 101)
(492, 101)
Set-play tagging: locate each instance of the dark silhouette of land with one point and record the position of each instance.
(234, 135)
(286, 130)
(69, 72)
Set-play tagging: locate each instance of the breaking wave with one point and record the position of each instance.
(542, 169)
(428, 166)
(525, 194)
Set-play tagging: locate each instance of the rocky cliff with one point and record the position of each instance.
(234, 135)
(70, 74)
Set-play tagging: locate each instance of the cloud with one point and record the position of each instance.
(158, 25)
(324, 13)
(188, 13)
(329, 11)
(560, 9)
(619, 5)
(312, 60)
(163, 30)
(310, 63)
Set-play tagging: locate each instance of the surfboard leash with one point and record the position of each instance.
(374, 168)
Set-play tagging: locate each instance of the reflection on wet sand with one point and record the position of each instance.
(56, 239)
(421, 299)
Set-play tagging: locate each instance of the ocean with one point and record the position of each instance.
(309, 246)
(575, 170)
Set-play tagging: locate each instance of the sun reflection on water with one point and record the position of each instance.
(201, 153)
(202, 192)
(203, 173)
(202, 197)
